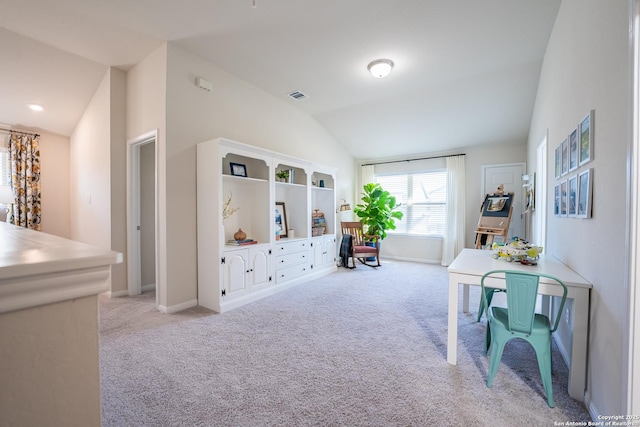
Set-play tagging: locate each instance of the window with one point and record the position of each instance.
(423, 200)
(5, 167)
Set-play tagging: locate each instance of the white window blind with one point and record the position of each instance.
(423, 200)
(5, 167)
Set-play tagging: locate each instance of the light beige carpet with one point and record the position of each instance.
(363, 347)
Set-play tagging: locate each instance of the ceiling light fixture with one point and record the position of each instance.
(380, 67)
(36, 107)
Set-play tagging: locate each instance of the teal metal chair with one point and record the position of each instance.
(519, 320)
(488, 295)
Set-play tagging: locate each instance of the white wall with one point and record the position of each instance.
(97, 162)
(586, 67)
(90, 173)
(146, 111)
(54, 181)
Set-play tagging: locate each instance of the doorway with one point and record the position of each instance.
(142, 214)
(509, 175)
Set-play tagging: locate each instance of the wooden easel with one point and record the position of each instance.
(495, 217)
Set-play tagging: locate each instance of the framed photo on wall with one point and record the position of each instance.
(585, 191)
(556, 200)
(558, 161)
(563, 198)
(572, 197)
(585, 129)
(573, 150)
(565, 156)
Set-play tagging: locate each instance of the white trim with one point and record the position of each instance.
(40, 289)
(117, 294)
(631, 350)
(134, 280)
(178, 307)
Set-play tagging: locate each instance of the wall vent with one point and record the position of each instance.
(297, 95)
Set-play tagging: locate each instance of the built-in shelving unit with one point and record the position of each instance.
(243, 178)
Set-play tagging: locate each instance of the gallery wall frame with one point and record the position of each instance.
(586, 130)
(572, 195)
(573, 150)
(585, 193)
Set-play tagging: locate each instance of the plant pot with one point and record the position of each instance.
(373, 245)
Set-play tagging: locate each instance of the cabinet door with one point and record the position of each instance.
(260, 267)
(330, 250)
(318, 253)
(235, 267)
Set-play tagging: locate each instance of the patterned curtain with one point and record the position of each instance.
(24, 150)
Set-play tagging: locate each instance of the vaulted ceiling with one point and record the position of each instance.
(466, 72)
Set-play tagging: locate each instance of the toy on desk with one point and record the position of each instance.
(517, 250)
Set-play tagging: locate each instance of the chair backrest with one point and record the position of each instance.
(355, 229)
(522, 292)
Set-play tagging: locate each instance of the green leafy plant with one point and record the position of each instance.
(378, 210)
(283, 174)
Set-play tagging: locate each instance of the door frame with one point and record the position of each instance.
(134, 271)
(523, 166)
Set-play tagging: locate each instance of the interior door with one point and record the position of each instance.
(509, 175)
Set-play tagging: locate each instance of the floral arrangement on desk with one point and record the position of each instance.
(517, 250)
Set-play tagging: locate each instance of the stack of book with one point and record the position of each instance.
(242, 242)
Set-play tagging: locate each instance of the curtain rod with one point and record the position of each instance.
(412, 160)
(18, 131)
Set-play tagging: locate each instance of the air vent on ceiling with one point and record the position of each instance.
(297, 95)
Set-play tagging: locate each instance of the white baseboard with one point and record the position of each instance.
(178, 307)
(593, 411)
(149, 287)
(420, 260)
(117, 294)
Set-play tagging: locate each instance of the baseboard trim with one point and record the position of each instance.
(149, 287)
(178, 307)
(420, 260)
(118, 294)
(593, 411)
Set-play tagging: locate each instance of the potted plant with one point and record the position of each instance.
(283, 175)
(378, 210)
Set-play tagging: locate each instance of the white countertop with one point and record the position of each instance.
(35, 268)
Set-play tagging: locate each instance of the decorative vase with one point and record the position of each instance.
(240, 235)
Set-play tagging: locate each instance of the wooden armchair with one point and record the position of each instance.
(358, 249)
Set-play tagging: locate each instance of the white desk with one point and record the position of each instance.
(469, 267)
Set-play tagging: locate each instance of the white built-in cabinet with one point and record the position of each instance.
(231, 275)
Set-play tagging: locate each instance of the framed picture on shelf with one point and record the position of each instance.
(558, 162)
(563, 198)
(585, 190)
(565, 156)
(585, 128)
(573, 150)
(238, 169)
(281, 219)
(572, 198)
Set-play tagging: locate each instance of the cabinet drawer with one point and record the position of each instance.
(293, 246)
(291, 259)
(286, 274)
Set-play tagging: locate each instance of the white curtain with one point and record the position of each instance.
(454, 234)
(367, 175)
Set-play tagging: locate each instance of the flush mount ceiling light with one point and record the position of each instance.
(380, 67)
(36, 107)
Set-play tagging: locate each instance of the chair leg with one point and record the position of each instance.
(543, 354)
(497, 348)
(489, 296)
(487, 339)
